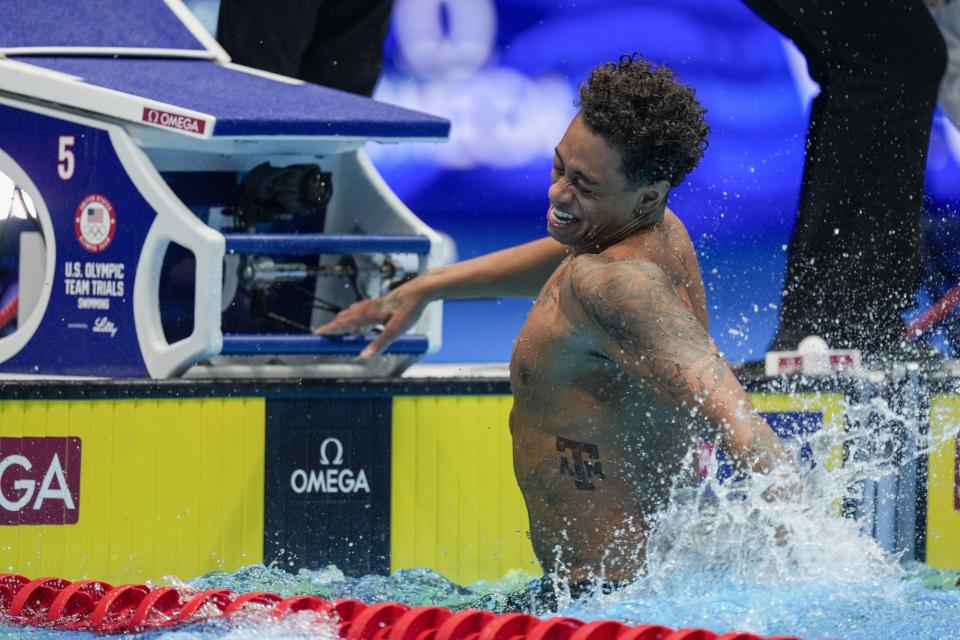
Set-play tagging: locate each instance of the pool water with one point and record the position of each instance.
(918, 603)
(722, 556)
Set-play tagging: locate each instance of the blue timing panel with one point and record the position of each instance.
(294, 244)
(249, 105)
(139, 24)
(241, 344)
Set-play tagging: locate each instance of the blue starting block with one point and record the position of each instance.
(159, 171)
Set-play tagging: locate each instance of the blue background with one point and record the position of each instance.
(739, 205)
(505, 73)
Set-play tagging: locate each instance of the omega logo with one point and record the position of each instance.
(173, 120)
(331, 478)
(54, 475)
(337, 446)
(39, 480)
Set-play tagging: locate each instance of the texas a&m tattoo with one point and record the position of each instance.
(583, 462)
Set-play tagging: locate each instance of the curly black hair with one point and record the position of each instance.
(653, 120)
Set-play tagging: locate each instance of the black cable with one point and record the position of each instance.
(259, 310)
(318, 302)
(354, 276)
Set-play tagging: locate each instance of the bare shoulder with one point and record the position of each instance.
(597, 277)
(644, 326)
(671, 220)
(634, 301)
(690, 278)
(678, 234)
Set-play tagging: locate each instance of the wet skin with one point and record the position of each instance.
(568, 387)
(613, 373)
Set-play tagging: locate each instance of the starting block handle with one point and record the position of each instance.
(174, 223)
(304, 244)
(163, 358)
(249, 344)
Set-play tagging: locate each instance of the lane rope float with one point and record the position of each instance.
(92, 605)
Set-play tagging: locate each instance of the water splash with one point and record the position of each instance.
(721, 557)
(724, 556)
(414, 587)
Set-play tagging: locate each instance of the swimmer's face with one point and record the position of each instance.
(592, 204)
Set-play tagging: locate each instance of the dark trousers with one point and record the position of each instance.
(335, 43)
(853, 264)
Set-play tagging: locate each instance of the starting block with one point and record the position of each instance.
(191, 216)
(812, 358)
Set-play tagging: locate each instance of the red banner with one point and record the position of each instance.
(39, 480)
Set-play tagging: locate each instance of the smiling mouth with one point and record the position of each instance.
(560, 218)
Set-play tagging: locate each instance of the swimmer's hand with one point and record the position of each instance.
(397, 311)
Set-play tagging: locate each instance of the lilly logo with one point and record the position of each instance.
(39, 480)
(103, 324)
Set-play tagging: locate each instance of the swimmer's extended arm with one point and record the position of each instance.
(647, 329)
(516, 272)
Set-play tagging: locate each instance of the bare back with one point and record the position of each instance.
(595, 448)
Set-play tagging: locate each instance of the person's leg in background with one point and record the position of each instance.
(346, 50)
(269, 35)
(948, 19)
(336, 43)
(853, 264)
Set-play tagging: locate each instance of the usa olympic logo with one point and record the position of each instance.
(95, 223)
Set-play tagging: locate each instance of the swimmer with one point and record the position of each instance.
(614, 375)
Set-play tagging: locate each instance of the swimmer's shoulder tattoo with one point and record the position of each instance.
(652, 334)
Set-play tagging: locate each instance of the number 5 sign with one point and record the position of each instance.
(66, 164)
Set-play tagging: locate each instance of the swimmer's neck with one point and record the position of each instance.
(640, 223)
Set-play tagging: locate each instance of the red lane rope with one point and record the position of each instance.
(9, 311)
(95, 606)
(937, 312)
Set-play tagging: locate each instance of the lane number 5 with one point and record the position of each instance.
(65, 160)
